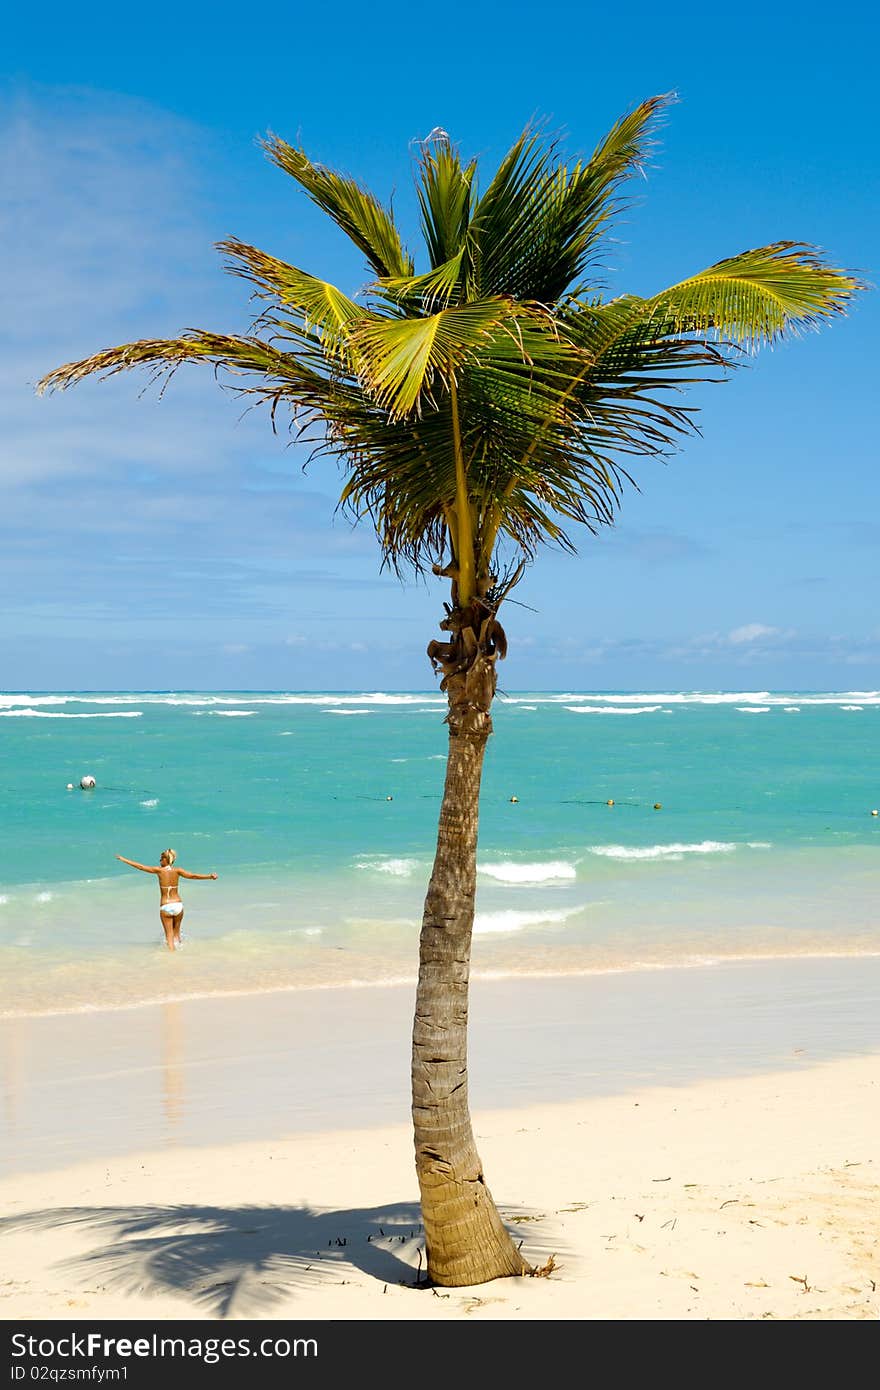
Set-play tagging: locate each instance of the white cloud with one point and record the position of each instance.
(118, 506)
(751, 632)
(652, 546)
(106, 238)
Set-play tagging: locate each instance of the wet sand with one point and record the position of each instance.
(231, 1069)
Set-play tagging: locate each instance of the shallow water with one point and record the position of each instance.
(764, 844)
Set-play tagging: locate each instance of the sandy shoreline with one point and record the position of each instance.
(228, 1070)
(740, 1198)
(698, 1143)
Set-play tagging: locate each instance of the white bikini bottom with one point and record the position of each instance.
(173, 909)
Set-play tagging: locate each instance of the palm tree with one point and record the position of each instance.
(478, 408)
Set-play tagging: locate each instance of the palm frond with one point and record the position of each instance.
(757, 296)
(318, 302)
(271, 374)
(538, 223)
(500, 218)
(352, 207)
(444, 194)
(401, 359)
(421, 294)
(571, 223)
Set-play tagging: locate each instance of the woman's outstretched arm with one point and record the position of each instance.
(146, 868)
(183, 874)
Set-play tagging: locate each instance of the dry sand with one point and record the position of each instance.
(736, 1198)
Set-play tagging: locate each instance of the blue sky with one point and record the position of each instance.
(172, 543)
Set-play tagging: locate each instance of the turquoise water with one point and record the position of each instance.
(764, 844)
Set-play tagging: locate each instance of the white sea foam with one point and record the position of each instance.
(233, 713)
(792, 709)
(346, 711)
(44, 897)
(192, 700)
(199, 699)
(858, 707)
(30, 700)
(376, 697)
(554, 871)
(759, 844)
(489, 923)
(419, 701)
(52, 714)
(753, 709)
(655, 697)
(738, 698)
(398, 868)
(661, 851)
(3, 899)
(152, 801)
(612, 709)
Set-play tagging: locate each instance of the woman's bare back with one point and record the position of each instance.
(168, 881)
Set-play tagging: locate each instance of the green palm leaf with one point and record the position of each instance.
(300, 380)
(537, 225)
(757, 296)
(352, 207)
(320, 304)
(420, 294)
(400, 360)
(444, 193)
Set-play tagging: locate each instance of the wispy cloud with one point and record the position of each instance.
(751, 632)
(725, 648)
(123, 511)
(105, 238)
(652, 546)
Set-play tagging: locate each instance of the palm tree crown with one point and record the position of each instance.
(495, 395)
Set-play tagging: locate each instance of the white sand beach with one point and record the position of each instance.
(742, 1198)
(688, 1144)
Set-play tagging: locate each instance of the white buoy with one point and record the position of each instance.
(875, 813)
(87, 782)
(70, 786)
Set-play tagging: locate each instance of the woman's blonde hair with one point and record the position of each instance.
(168, 854)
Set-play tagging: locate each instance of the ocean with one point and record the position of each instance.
(740, 829)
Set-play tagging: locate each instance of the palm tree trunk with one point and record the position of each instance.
(465, 1239)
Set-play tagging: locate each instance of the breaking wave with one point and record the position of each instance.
(490, 923)
(661, 851)
(555, 871)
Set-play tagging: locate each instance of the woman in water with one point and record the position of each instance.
(170, 906)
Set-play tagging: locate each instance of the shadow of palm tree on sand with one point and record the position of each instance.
(237, 1262)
